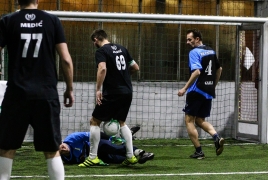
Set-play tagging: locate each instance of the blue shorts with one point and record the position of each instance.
(198, 106)
(114, 106)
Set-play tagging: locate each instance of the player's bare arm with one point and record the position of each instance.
(191, 80)
(101, 73)
(218, 75)
(67, 66)
(134, 67)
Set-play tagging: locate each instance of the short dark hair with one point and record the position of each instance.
(196, 33)
(26, 2)
(100, 34)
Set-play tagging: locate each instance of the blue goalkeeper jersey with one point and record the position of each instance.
(79, 147)
(204, 58)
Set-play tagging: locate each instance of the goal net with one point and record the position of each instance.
(158, 45)
(157, 42)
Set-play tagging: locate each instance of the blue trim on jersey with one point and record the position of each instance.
(195, 57)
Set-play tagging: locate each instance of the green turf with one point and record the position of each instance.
(171, 159)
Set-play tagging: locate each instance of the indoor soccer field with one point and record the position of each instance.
(154, 33)
(239, 160)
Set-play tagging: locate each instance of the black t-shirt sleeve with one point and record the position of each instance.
(2, 33)
(59, 33)
(100, 56)
(129, 58)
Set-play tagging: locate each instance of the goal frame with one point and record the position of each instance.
(194, 19)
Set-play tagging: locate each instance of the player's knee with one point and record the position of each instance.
(49, 155)
(8, 153)
(199, 121)
(95, 122)
(122, 123)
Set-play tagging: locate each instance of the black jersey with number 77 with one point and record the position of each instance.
(30, 36)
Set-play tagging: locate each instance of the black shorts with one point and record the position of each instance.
(113, 106)
(43, 115)
(197, 105)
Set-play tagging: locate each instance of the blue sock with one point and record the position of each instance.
(198, 149)
(215, 136)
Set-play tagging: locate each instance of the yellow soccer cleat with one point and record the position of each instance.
(90, 162)
(130, 161)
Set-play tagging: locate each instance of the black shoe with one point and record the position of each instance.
(219, 145)
(197, 155)
(134, 129)
(145, 157)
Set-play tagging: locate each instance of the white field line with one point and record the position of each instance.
(237, 144)
(155, 145)
(149, 175)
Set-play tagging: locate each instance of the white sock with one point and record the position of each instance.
(94, 141)
(5, 168)
(55, 168)
(126, 134)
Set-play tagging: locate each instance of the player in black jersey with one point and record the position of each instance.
(205, 73)
(31, 98)
(115, 66)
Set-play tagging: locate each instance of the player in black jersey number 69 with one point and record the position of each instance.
(113, 94)
(205, 72)
(32, 37)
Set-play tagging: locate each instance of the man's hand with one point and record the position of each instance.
(98, 97)
(68, 98)
(181, 92)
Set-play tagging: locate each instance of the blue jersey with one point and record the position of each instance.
(204, 58)
(79, 147)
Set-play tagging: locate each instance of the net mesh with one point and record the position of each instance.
(161, 52)
(249, 55)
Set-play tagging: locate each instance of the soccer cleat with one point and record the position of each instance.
(138, 153)
(134, 129)
(219, 145)
(90, 162)
(130, 161)
(145, 157)
(197, 155)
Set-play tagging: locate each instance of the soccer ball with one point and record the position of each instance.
(111, 128)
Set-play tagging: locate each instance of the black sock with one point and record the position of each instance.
(198, 149)
(215, 136)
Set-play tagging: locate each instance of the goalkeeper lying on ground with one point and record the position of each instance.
(75, 148)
